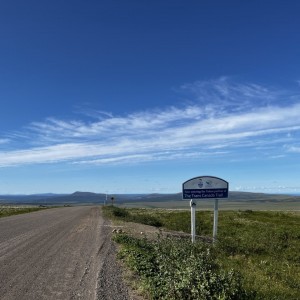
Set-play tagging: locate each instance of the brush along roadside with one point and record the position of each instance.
(166, 265)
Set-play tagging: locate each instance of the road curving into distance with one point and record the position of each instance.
(60, 253)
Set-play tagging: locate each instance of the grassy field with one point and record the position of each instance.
(223, 205)
(261, 246)
(6, 211)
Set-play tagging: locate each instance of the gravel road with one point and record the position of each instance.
(63, 253)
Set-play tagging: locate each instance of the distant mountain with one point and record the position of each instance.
(81, 198)
(247, 196)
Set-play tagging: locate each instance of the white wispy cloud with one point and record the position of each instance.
(293, 148)
(4, 141)
(219, 115)
(155, 156)
(224, 93)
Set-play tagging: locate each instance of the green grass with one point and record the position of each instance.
(264, 247)
(10, 211)
(261, 246)
(127, 215)
(223, 205)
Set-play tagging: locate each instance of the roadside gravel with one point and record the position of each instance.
(63, 253)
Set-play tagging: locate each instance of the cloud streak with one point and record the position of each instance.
(4, 141)
(236, 115)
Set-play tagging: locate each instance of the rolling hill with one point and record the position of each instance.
(85, 198)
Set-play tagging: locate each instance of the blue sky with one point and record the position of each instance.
(140, 96)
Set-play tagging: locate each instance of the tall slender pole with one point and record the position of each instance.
(193, 220)
(215, 230)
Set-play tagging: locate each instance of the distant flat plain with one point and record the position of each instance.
(223, 205)
(236, 201)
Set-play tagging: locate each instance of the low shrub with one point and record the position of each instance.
(177, 269)
(125, 215)
(263, 246)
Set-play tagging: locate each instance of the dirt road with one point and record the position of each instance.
(62, 253)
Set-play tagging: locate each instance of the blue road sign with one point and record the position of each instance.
(205, 187)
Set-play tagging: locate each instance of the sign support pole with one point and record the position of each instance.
(215, 229)
(193, 220)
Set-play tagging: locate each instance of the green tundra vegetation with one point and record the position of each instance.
(256, 256)
(6, 211)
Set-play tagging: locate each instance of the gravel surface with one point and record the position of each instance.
(63, 253)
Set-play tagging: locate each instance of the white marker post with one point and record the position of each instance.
(215, 229)
(193, 220)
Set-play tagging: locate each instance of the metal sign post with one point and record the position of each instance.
(193, 220)
(215, 229)
(204, 187)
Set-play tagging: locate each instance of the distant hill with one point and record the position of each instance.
(82, 198)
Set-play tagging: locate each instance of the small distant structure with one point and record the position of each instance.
(112, 200)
